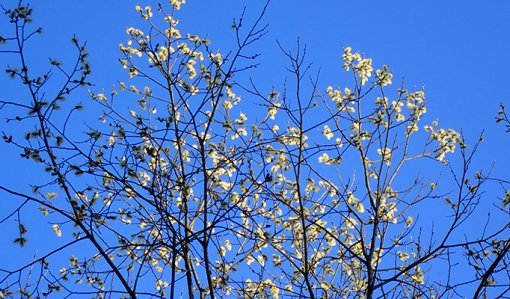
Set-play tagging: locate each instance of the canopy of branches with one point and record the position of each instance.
(189, 179)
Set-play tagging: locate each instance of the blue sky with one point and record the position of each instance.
(457, 50)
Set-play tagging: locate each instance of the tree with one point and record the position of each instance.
(303, 192)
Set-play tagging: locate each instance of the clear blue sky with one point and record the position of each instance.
(458, 50)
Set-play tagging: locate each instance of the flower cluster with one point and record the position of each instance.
(362, 66)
